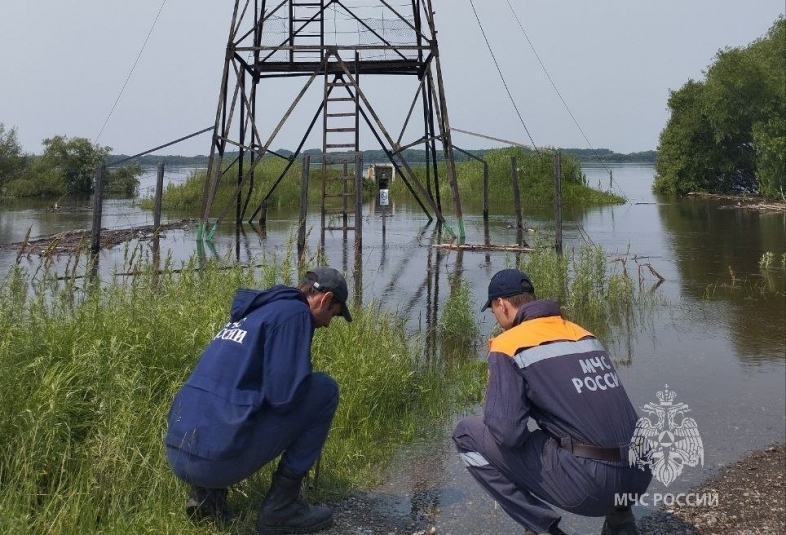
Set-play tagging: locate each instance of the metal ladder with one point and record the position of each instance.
(306, 28)
(340, 147)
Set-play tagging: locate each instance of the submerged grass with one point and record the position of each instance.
(90, 373)
(458, 331)
(593, 290)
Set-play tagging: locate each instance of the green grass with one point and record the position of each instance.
(593, 290)
(535, 173)
(90, 371)
(766, 260)
(188, 195)
(458, 331)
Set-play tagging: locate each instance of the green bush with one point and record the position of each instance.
(535, 176)
(727, 133)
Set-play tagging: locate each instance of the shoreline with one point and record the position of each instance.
(751, 500)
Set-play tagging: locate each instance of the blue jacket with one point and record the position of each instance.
(559, 374)
(260, 360)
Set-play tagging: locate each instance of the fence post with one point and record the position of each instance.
(358, 203)
(358, 265)
(263, 214)
(558, 201)
(485, 191)
(159, 193)
(514, 179)
(301, 231)
(98, 186)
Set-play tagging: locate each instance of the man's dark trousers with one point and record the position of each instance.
(299, 433)
(520, 479)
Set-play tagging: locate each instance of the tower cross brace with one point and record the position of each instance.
(341, 44)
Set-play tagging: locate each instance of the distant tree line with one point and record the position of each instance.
(151, 160)
(67, 165)
(413, 156)
(535, 171)
(727, 133)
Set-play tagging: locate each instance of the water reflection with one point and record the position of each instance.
(707, 251)
(717, 246)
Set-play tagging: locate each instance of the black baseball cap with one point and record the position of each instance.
(506, 283)
(328, 279)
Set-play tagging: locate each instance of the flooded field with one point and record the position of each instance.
(716, 336)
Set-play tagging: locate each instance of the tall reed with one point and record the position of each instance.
(89, 373)
(457, 328)
(592, 289)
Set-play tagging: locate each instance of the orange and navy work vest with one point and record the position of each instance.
(559, 374)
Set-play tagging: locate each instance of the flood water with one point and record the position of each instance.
(717, 336)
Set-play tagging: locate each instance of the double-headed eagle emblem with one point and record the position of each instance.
(668, 444)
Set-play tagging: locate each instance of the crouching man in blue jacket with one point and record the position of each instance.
(253, 396)
(556, 373)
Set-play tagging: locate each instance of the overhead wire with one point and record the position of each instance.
(125, 84)
(502, 77)
(551, 81)
(111, 111)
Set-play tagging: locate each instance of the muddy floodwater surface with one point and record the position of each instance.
(715, 335)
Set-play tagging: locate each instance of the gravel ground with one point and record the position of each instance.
(751, 500)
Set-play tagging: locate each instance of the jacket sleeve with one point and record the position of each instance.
(287, 363)
(505, 409)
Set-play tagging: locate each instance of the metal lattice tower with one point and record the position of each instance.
(339, 45)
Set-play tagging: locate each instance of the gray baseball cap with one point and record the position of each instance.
(328, 279)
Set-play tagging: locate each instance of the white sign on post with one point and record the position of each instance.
(383, 197)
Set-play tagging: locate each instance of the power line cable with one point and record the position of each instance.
(493, 57)
(131, 72)
(564, 103)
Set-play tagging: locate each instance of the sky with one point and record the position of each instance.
(64, 63)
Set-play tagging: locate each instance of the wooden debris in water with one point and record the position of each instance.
(481, 247)
(71, 241)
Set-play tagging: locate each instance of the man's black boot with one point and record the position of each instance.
(208, 504)
(284, 511)
(620, 522)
